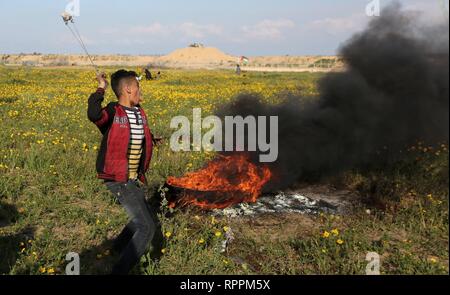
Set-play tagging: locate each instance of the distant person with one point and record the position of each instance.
(238, 70)
(148, 74)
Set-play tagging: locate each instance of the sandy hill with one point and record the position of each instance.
(185, 58)
(198, 56)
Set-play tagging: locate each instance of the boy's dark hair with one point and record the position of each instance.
(120, 76)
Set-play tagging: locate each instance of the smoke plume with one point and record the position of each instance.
(394, 92)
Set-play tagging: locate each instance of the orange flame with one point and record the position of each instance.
(225, 181)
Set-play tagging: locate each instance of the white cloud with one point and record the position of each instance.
(431, 12)
(336, 26)
(268, 29)
(185, 30)
(70, 39)
(153, 29)
(199, 31)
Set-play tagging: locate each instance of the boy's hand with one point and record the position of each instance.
(102, 82)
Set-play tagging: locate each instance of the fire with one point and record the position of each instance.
(225, 181)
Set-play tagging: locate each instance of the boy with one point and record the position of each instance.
(123, 159)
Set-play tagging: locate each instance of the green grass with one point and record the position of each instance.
(51, 202)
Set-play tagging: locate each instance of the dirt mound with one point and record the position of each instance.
(186, 58)
(198, 56)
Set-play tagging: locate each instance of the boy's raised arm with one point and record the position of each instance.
(96, 113)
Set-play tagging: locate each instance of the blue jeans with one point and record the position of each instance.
(135, 239)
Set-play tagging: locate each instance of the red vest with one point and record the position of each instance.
(112, 161)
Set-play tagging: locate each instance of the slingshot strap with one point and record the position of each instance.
(77, 36)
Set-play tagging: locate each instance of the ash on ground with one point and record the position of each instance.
(313, 200)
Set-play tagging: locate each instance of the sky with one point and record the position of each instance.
(150, 27)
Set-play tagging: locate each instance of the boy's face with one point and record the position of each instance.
(134, 93)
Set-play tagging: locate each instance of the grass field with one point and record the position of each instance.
(51, 202)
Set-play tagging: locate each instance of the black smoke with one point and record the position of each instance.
(393, 92)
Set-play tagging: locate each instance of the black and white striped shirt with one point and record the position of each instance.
(137, 139)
